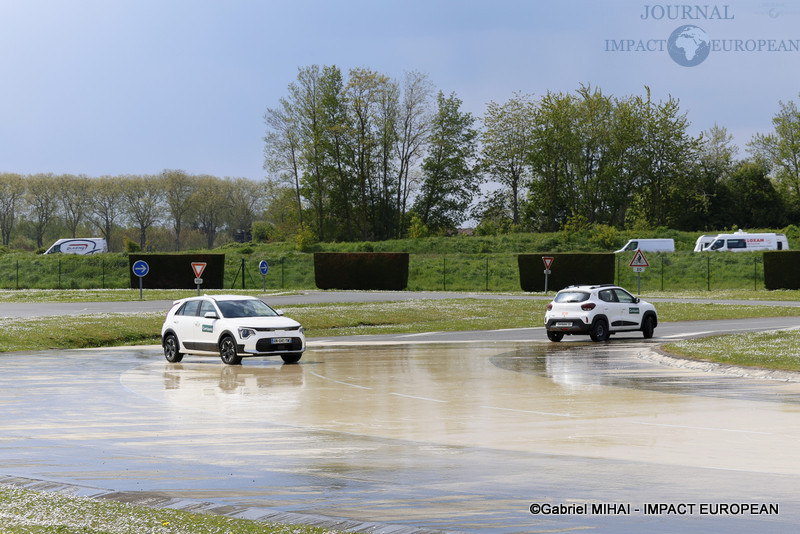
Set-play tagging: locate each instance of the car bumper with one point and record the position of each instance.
(275, 343)
(568, 325)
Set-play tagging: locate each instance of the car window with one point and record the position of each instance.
(188, 308)
(607, 296)
(245, 308)
(624, 296)
(206, 307)
(737, 243)
(632, 246)
(571, 296)
(718, 244)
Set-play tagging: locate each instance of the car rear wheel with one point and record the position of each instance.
(555, 336)
(171, 349)
(227, 351)
(599, 331)
(291, 358)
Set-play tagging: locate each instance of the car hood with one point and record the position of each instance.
(263, 322)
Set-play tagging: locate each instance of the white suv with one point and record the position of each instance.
(230, 326)
(598, 311)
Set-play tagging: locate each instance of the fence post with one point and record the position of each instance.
(59, 274)
(282, 272)
(444, 272)
(242, 273)
(17, 274)
(487, 273)
(708, 272)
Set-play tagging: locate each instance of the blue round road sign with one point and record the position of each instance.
(263, 267)
(140, 268)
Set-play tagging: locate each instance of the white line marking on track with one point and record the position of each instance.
(339, 381)
(528, 411)
(705, 428)
(420, 398)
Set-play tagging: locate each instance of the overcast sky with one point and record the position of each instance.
(117, 87)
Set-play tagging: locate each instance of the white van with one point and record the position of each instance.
(703, 242)
(742, 242)
(83, 246)
(648, 245)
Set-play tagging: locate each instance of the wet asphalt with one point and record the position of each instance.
(409, 438)
(464, 432)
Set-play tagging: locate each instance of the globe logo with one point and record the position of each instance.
(689, 45)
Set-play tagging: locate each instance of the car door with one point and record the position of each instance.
(609, 306)
(629, 316)
(206, 327)
(183, 322)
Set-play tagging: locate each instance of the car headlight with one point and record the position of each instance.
(244, 333)
(302, 331)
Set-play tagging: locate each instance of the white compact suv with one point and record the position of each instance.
(230, 326)
(598, 311)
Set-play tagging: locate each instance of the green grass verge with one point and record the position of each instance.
(29, 512)
(324, 320)
(764, 350)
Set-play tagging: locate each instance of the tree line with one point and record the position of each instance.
(368, 157)
(35, 206)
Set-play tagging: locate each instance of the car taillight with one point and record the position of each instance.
(550, 306)
(589, 306)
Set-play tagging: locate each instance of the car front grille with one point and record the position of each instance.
(266, 345)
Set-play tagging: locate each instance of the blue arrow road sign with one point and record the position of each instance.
(263, 267)
(140, 268)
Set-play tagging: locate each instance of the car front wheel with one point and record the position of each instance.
(648, 327)
(599, 331)
(227, 351)
(291, 358)
(172, 349)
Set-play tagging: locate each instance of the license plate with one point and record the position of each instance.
(564, 324)
(281, 340)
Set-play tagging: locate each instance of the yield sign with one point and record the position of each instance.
(639, 260)
(198, 268)
(548, 261)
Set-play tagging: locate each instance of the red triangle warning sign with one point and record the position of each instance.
(198, 268)
(639, 260)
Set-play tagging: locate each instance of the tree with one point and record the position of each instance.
(74, 198)
(210, 199)
(780, 150)
(142, 198)
(756, 202)
(413, 128)
(106, 206)
(42, 198)
(243, 199)
(507, 142)
(12, 194)
(282, 149)
(449, 180)
(178, 195)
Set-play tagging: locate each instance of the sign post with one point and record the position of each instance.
(263, 267)
(140, 269)
(198, 268)
(548, 261)
(639, 264)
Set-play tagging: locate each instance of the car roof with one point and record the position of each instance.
(587, 287)
(217, 298)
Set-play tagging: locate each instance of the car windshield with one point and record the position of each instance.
(571, 296)
(245, 308)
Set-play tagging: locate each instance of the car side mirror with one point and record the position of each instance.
(279, 312)
(211, 315)
(636, 300)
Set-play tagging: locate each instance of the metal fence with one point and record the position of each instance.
(427, 272)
